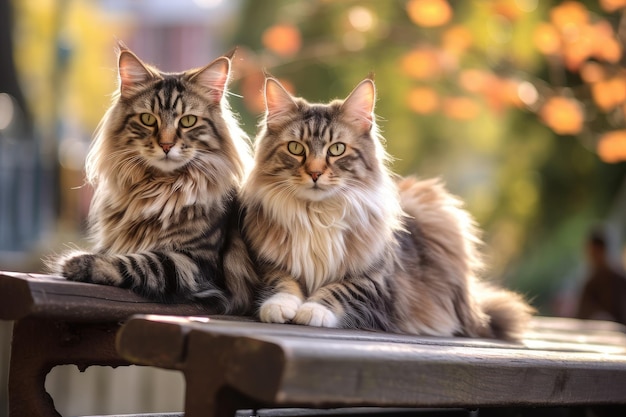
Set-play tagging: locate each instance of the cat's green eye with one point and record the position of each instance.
(188, 121)
(147, 119)
(336, 149)
(295, 148)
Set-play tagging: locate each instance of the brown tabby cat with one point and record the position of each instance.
(339, 243)
(166, 164)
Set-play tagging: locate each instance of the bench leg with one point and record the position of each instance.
(205, 392)
(39, 345)
(216, 364)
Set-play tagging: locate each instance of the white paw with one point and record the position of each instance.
(279, 308)
(315, 314)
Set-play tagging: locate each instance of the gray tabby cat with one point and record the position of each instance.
(166, 164)
(340, 243)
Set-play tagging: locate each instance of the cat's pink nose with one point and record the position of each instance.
(315, 175)
(166, 146)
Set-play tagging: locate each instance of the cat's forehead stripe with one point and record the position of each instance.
(168, 97)
(317, 124)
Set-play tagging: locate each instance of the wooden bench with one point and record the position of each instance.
(235, 363)
(58, 322)
(230, 365)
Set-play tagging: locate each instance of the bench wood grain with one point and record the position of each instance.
(58, 322)
(51, 297)
(230, 364)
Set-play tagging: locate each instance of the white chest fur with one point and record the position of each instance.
(318, 249)
(319, 243)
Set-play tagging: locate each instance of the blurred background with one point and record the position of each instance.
(519, 105)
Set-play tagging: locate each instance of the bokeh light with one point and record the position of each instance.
(429, 13)
(282, 39)
(563, 115)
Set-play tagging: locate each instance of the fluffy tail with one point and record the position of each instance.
(508, 312)
(448, 244)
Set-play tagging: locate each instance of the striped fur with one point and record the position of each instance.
(166, 164)
(340, 242)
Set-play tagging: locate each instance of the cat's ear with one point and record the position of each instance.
(358, 107)
(231, 54)
(214, 78)
(132, 72)
(278, 102)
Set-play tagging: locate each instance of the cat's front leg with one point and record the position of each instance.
(361, 302)
(161, 276)
(281, 307)
(87, 267)
(312, 313)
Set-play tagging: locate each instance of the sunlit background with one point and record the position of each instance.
(519, 105)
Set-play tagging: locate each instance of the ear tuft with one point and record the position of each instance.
(121, 46)
(278, 102)
(358, 107)
(231, 54)
(214, 78)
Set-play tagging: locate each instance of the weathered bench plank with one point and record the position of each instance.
(58, 322)
(34, 295)
(231, 364)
